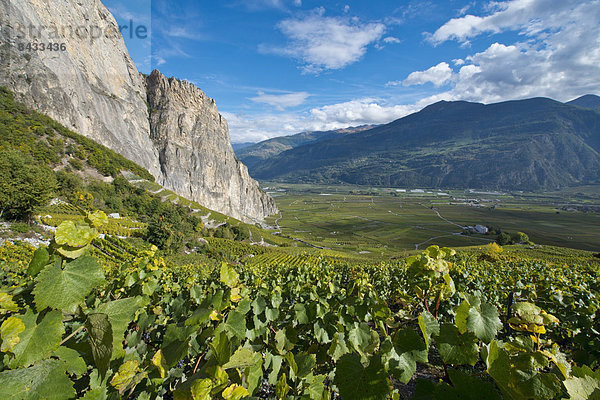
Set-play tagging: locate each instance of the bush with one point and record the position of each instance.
(161, 234)
(24, 185)
(76, 164)
(520, 238)
(503, 239)
(491, 252)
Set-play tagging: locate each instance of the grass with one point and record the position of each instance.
(384, 222)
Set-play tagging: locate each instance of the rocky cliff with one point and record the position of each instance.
(195, 152)
(93, 87)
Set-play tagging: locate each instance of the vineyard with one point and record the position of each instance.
(103, 319)
(57, 214)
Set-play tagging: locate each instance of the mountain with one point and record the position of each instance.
(257, 153)
(239, 146)
(525, 145)
(167, 126)
(588, 101)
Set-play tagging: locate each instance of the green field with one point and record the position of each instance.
(387, 221)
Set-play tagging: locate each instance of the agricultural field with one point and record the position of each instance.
(387, 222)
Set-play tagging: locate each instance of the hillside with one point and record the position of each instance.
(83, 174)
(588, 101)
(51, 144)
(255, 154)
(168, 126)
(524, 145)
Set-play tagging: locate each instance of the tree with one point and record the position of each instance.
(503, 239)
(24, 185)
(520, 237)
(161, 233)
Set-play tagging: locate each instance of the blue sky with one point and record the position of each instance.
(279, 67)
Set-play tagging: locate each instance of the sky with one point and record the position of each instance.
(280, 67)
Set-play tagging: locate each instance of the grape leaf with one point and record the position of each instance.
(354, 381)
(229, 276)
(429, 326)
(120, 313)
(98, 218)
(254, 375)
(37, 342)
(201, 389)
(41, 258)
(159, 361)
(242, 358)
(462, 315)
(128, 376)
(75, 364)
(457, 349)
(407, 350)
(282, 388)
(45, 380)
(9, 331)
(64, 289)
(100, 336)
(72, 235)
(234, 392)
(236, 324)
(484, 323)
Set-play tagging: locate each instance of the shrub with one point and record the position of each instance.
(520, 238)
(24, 185)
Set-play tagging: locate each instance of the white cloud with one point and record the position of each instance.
(281, 101)
(558, 56)
(364, 111)
(326, 43)
(438, 75)
(391, 40)
(357, 112)
(528, 16)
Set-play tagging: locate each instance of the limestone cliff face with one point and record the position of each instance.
(195, 151)
(94, 88)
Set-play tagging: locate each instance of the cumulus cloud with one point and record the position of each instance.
(281, 101)
(365, 111)
(558, 56)
(438, 75)
(357, 112)
(529, 16)
(326, 43)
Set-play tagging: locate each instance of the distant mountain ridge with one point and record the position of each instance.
(531, 144)
(253, 155)
(588, 101)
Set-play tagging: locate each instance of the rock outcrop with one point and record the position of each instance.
(94, 88)
(195, 151)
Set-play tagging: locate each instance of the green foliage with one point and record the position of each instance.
(46, 380)
(313, 329)
(65, 288)
(24, 185)
(164, 235)
(48, 142)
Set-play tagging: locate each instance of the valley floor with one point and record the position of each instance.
(392, 222)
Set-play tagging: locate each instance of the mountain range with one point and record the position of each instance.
(532, 144)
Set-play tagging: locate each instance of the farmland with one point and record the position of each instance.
(388, 222)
